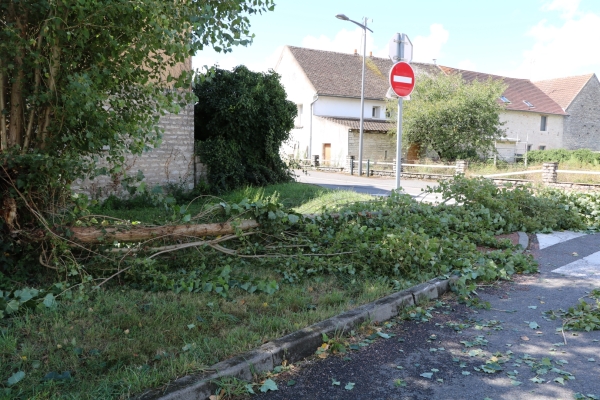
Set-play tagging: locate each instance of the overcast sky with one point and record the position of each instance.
(533, 39)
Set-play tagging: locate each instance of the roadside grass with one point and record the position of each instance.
(300, 197)
(120, 342)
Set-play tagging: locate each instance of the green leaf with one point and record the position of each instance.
(335, 383)
(534, 325)
(293, 219)
(427, 375)
(16, 378)
(269, 384)
(12, 306)
(49, 300)
(349, 386)
(466, 373)
(291, 382)
(249, 388)
(559, 380)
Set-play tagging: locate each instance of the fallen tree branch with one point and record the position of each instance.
(95, 235)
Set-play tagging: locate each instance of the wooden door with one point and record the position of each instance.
(327, 153)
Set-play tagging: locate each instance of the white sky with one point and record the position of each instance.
(535, 39)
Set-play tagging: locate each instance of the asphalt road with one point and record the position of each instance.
(376, 185)
(433, 360)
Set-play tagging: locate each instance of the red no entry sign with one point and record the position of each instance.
(402, 79)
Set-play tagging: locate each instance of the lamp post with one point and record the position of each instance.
(362, 87)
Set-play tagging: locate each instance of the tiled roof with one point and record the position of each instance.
(368, 124)
(564, 90)
(340, 74)
(518, 91)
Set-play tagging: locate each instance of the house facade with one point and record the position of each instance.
(579, 97)
(325, 86)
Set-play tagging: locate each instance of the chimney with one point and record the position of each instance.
(371, 54)
(355, 52)
(435, 61)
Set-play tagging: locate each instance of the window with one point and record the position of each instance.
(528, 104)
(541, 147)
(376, 112)
(529, 146)
(388, 113)
(385, 154)
(543, 123)
(298, 120)
(504, 100)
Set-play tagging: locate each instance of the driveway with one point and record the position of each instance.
(375, 185)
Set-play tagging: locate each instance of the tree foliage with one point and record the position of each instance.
(241, 120)
(85, 78)
(454, 118)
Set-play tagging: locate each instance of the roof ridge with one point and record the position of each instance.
(484, 73)
(352, 54)
(565, 77)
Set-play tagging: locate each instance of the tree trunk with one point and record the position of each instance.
(15, 129)
(3, 136)
(414, 153)
(96, 235)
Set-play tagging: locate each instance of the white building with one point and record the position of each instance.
(325, 86)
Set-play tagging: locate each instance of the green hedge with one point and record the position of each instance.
(585, 156)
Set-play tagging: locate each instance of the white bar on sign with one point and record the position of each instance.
(402, 79)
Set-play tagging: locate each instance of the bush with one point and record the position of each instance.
(241, 120)
(584, 156)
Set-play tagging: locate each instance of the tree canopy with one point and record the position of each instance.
(456, 119)
(87, 77)
(241, 120)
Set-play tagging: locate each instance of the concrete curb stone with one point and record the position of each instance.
(303, 343)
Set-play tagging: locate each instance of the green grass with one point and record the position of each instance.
(121, 342)
(300, 197)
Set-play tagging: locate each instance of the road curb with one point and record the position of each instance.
(303, 343)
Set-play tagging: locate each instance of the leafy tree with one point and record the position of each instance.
(454, 118)
(241, 120)
(84, 78)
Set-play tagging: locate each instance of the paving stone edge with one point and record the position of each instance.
(303, 343)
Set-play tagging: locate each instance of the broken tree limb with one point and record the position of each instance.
(95, 235)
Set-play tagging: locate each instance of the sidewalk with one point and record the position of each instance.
(435, 359)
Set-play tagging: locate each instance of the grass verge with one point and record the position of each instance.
(120, 342)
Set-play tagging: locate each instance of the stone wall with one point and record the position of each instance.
(171, 162)
(376, 146)
(582, 125)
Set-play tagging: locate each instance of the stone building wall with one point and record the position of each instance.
(582, 125)
(376, 146)
(171, 162)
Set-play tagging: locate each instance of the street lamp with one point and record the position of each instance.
(362, 87)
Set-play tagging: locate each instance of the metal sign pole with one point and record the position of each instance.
(399, 143)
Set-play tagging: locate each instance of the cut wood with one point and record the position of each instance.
(96, 235)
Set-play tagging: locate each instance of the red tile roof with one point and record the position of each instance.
(517, 92)
(564, 90)
(368, 124)
(340, 74)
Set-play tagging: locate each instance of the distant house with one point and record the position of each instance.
(532, 119)
(326, 87)
(579, 97)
